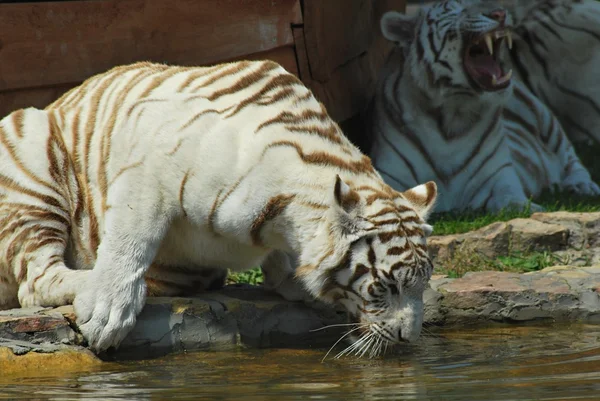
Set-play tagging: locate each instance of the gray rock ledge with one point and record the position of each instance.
(243, 315)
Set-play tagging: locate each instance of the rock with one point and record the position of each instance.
(499, 238)
(557, 293)
(21, 357)
(36, 325)
(573, 238)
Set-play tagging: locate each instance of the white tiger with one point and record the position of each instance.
(155, 179)
(446, 110)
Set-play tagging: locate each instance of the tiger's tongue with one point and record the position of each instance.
(486, 65)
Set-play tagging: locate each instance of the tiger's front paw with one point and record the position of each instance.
(106, 313)
(588, 188)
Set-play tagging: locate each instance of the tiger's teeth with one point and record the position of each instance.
(489, 44)
(503, 79)
(509, 40)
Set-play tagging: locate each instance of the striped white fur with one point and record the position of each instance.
(485, 146)
(557, 55)
(158, 178)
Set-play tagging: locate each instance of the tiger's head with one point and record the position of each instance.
(454, 45)
(374, 261)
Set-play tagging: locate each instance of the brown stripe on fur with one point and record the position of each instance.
(396, 250)
(202, 113)
(213, 212)
(30, 211)
(359, 271)
(53, 261)
(164, 75)
(125, 169)
(287, 117)
(245, 81)
(57, 154)
(199, 74)
(285, 93)
(90, 123)
(140, 103)
(234, 69)
(10, 148)
(388, 236)
(326, 159)
(279, 81)
(331, 281)
(182, 190)
(371, 254)
(13, 186)
(274, 207)
(177, 147)
(106, 138)
(17, 121)
(312, 205)
(300, 99)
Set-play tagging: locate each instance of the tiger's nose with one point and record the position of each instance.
(498, 15)
(400, 339)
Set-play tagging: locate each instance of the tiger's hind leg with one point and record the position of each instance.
(43, 277)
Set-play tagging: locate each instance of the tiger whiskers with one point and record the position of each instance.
(342, 337)
(334, 325)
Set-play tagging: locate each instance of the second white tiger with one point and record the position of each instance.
(446, 110)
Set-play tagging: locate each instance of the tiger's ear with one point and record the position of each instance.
(398, 27)
(345, 197)
(348, 207)
(422, 198)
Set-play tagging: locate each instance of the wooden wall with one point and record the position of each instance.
(334, 46)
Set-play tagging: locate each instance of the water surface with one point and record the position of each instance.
(498, 363)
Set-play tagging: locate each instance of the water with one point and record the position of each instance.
(497, 363)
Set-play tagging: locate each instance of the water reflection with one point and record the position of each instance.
(499, 363)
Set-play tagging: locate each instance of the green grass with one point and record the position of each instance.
(253, 276)
(465, 261)
(461, 222)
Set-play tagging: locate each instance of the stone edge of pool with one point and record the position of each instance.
(241, 315)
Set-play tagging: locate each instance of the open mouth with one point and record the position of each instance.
(481, 60)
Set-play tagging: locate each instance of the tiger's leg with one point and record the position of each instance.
(279, 276)
(47, 281)
(575, 177)
(115, 292)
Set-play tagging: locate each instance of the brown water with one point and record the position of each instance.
(500, 363)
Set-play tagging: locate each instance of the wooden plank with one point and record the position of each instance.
(61, 42)
(345, 87)
(335, 31)
(30, 97)
(301, 55)
(286, 56)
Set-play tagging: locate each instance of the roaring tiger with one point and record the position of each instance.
(557, 55)
(447, 110)
(153, 180)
